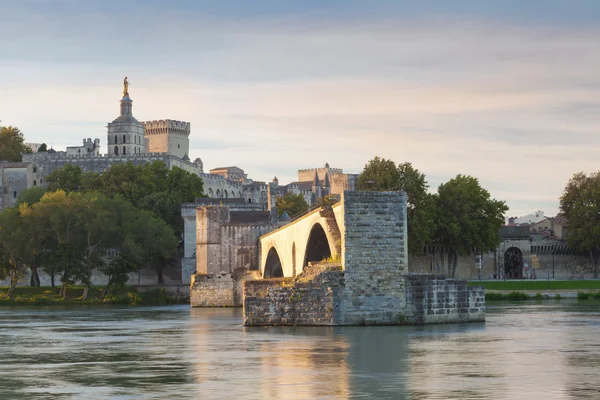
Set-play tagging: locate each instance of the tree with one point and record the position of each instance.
(11, 144)
(69, 178)
(294, 204)
(12, 247)
(31, 195)
(580, 205)
(379, 174)
(43, 148)
(468, 219)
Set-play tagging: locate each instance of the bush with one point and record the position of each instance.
(583, 295)
(41, 300)
(518, 296)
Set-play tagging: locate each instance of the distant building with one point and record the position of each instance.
(168, 136)
(33, 146)
(232, 173)
(89, 147)
(528, 219)
(14, 178)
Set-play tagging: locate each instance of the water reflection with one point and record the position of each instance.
(547, 350)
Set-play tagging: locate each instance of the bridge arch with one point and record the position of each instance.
(317, 245)
(273, 268)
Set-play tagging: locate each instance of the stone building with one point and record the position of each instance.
(235, 174)
(167, 136)
(89, 148)
(315, 183)
(125, 134)
(14, 178)
(189, 214)
(132, 141)
(226, 248)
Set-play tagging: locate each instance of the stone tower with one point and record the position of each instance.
(125, 134)
(168, 136)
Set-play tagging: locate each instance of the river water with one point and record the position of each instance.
(543, 350)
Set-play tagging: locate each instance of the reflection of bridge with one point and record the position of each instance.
(313, 237)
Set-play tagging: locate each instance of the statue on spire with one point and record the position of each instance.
(125, 87)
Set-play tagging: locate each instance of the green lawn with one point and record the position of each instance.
(537, 285)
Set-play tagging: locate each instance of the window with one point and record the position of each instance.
(123, 138)
(34, 183)
(34, 170)
(124, 150)
(115, 139)
(15, 194)
(116, 150)
(41, 181)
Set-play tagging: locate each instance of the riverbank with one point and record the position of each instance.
(128, 295)
(539, 289)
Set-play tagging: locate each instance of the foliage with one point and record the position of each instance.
(468, 219)
(150, 186)
(31, 196)
(580, 205)
(72, 234)
(381, 174)
(11, 144)
(43, 148)
(69, 178)
(294, 204)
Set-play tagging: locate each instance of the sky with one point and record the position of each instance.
(507, 91)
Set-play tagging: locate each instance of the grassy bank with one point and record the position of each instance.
(521, 296)
(538, 285)
(126, 296)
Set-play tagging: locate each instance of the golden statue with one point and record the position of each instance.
(125, 86)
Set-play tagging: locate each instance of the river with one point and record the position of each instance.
(533, 350)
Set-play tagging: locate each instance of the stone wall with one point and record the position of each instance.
(374, 256)
(215, 290)
(432, 299)
(286, 301)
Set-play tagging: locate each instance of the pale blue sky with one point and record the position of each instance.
(507, 91)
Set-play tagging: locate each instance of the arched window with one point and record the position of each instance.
(116, 150)
(123, 138)
(115, 139)
(225, 194)
(218, 194)
(210, 193)
(124, 150)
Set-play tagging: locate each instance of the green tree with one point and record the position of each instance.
(379, 174)
(69, 178)
(11, 144)
(43, 148)
(12, 247)
(31, 195)
(294, 204)
(580, 205)
(468, 220)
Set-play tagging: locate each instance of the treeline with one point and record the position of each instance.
(116, 222)
(460, 219)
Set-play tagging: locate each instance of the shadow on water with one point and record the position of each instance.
(542, 349)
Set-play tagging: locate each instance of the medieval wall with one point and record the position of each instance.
(432, 299)
(215, 290)
(287, 302)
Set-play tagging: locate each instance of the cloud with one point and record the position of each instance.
(512, 102)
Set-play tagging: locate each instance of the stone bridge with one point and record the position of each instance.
(313, 237)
